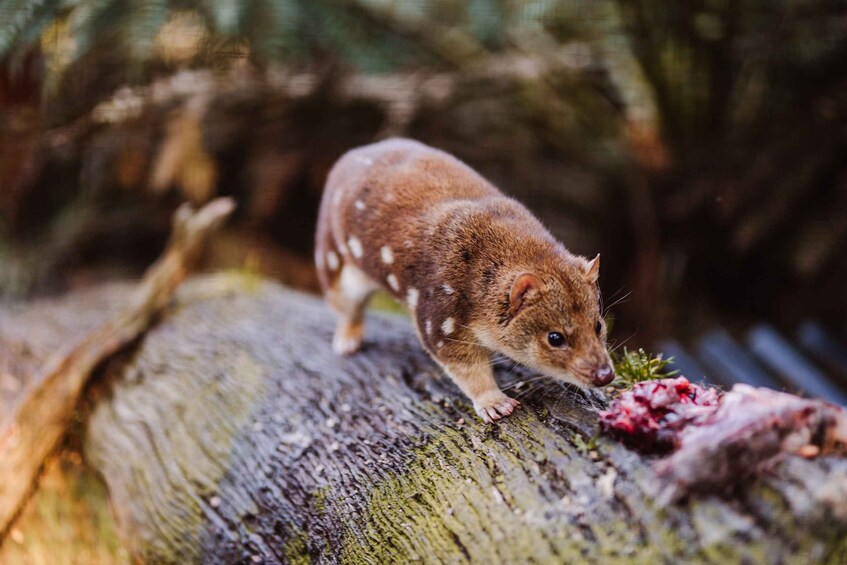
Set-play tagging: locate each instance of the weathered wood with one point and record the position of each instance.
(40, 417)
(232, 433)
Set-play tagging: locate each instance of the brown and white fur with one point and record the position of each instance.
(477, 271)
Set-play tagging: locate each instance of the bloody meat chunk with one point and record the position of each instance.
(714, 440)
(649, 417)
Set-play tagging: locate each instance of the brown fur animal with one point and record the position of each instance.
(477, 271)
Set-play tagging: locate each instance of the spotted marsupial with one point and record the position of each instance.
(477, 271)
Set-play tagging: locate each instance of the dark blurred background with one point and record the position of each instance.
(699, 146)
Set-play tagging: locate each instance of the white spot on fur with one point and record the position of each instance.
(387, 255)
(439, 345)
(364, 160)
(448, 326)
(332, 260)
(412, 298)
(359, 205)
(428, 326)
(354, 283)
(447, 289)
(355, 247)
(393, 282)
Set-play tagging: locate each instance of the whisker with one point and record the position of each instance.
(624, 342)
(523, 393)
(531, 390)
(519, 384)
(513, 369)
(617, 292)
(620, 300)
(580, 396)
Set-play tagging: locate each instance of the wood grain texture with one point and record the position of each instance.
(231, 433)
(40, 417)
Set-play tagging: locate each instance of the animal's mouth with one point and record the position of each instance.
(598, 377)
(589, 380)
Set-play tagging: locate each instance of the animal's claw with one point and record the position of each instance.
(495, 408)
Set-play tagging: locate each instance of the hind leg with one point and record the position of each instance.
(349, 297)
(346, 288)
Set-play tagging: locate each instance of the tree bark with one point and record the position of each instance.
(232, 433)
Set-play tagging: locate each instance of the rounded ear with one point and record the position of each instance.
(524, 286)
(592, 270)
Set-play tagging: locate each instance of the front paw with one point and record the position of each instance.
(347, 339)
(346, 344)
(493, 406)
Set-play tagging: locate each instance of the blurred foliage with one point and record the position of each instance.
(710, 63)
(700, 145)
(637, 366)
(296, 30)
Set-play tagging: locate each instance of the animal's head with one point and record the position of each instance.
(551, 320)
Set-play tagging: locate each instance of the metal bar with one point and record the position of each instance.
(731, 363)
(824, 349)
(780, 356)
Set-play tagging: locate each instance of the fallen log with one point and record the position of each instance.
(33, 424)
(231, 433)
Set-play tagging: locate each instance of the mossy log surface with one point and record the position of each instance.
(231, 433)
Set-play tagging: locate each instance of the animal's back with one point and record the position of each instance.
(389, 181)
(393, 197)
(413, 207)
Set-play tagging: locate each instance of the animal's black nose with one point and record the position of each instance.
(603, 375)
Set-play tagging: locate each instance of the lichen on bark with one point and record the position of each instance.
(232, 432)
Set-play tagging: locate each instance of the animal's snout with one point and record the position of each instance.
(603, 375)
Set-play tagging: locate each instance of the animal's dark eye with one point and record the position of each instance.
(555, 339)
(598, 327)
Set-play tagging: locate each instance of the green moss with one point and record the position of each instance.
(584, 447)
(319, 499)
(295, 549)
(440, 507)
(473, 495)
(838, 553)
(633, 367)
